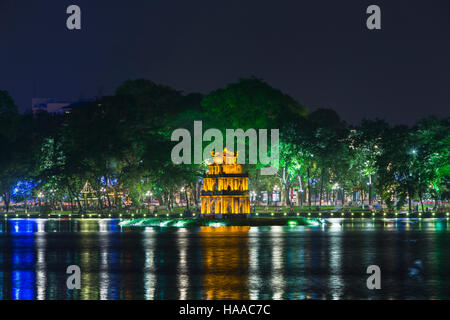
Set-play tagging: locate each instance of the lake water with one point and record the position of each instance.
(325, 262)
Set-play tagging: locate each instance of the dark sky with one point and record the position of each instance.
(319, 52)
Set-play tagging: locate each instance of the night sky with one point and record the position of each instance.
(319, 52)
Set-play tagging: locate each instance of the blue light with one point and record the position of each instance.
(23, 189)
(22, 226)
(23, 277)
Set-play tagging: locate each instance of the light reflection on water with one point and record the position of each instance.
(326, 262)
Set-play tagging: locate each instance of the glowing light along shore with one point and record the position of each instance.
(199, 222)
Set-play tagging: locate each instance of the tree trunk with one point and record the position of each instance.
(409, 202)
(194, 194)
(71, 202)
(7, 200)
(309, 189)
(421, 202)
(187, 199)
(300, 194)
(321, 191)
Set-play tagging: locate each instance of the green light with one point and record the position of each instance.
(216, 224)
(292, 223)
(180, 224)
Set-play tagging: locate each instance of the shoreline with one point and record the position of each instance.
(209, 222)
(257, 215)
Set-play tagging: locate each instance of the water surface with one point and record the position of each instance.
(327, 262)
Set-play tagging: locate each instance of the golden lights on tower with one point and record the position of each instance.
(225, 186)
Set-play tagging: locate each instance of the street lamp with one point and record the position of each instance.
(334, 188)
(253, 196)
(275, 191)
(40, 196)
(148, 194)
(183, 190)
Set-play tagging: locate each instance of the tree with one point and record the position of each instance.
(249, 103)
(365, 141)
(253, 104)
(12, 146)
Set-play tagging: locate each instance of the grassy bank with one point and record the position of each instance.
(180, 214)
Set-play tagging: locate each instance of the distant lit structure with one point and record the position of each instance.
(49, 105)
(88, 194)
(52, 106)
(225, 186)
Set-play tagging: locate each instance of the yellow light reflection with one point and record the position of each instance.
(183, 274)
(149, 266)
(225, 253)
(277, 280)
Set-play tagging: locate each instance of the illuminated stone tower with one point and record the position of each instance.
(225, 186)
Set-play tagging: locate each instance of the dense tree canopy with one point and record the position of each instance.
(121, 144)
